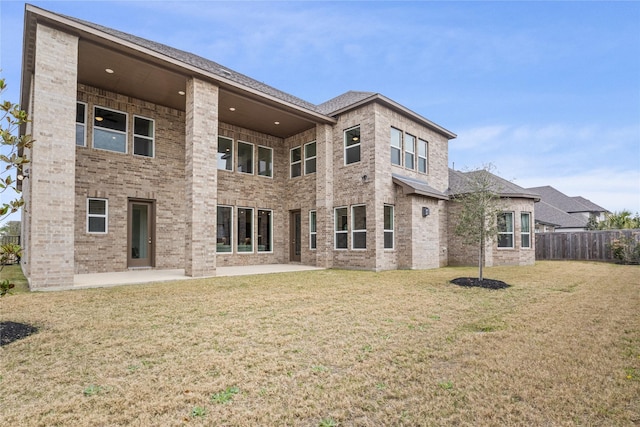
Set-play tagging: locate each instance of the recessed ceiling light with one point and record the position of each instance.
(276, 123)
(181, 92)
(99, 119)
(232, 108)
(109, 70)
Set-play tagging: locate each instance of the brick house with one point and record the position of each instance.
(152, 157)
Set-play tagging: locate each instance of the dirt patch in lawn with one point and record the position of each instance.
(13, 331)
(474, 282)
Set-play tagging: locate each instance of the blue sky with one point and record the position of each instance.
(549, 92)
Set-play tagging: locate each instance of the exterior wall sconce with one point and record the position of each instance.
(425, 211)
(23, 175)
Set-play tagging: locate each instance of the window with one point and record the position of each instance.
(396, 147)
(313, 234)
(97, 216)
(245, 157)
(388, 227)
(265, 161)
(525, 229)
(225, 153)
(352, 145)
(310, 158)
(359, 227)
(264, 231)
(81, 124)
(143, 136)
(109, 130)
(245, 230)
(423, 150)
(409, 151)
(296, 162)
(505, 230)
(341, 229)
(224, 234)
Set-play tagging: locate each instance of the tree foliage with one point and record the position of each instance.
(480, 204)
(620, 221)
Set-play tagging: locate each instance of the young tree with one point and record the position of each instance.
(12, 154)
(478, 196)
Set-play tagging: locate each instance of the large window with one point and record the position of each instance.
(97, 214)
(341, 228)
(143, 139)
(409, 151)
(109, 130)
(525, 229)
(265, 227)
(352, 145)
(359, 227)
(265, 161)
(310, 158)
(245, 230)
(423, 151)
(388, 227)
(225, 153)
(296, 161)
(313, 234)
(81, 124)
(505, 230)
(245, 157)
(396, 147)
(224, 229)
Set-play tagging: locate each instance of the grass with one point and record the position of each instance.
(347, 348)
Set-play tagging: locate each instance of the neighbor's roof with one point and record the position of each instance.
(565, 203)
(548, 214)
(416, 186)
(459, 184)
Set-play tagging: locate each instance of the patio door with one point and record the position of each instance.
(141, 234)
(295, 236)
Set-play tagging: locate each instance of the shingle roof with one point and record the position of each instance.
(560, 200)
(416, 186)
(548, 214)
(589, 204)
(459, 184)
(343, 101)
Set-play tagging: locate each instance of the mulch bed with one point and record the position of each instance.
(13, 331)
(474, 282)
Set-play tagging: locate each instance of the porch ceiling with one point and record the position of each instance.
(153, 80)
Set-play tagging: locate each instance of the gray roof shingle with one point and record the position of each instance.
(459, 184)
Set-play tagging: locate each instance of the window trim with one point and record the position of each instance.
(389, 230)
(355, 230)
(270, 149)
(501, 233)
(105, 216)
(232, 154)
(297, 162)
(306, 159)
(238, 251)
(425, 157)
(357, 144)
(313, 231)
(270, 251)
(252, 157)
(525, 233)
(83, 124)
(231, 228)
(393, 147)
(152, 139)
(336, 231)
(125, 133)
(411, 152)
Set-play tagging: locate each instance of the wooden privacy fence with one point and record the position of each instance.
(580, 245)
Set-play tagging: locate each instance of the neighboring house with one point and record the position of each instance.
(558, 212)
(151, 157)
(515, 243)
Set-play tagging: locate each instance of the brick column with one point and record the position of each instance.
(52, 169)
(201, 177)
(324, 196)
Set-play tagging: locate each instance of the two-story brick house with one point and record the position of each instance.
(152, 157)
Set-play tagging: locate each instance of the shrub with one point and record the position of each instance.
(626, 249)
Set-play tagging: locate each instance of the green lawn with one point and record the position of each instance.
(348, 348)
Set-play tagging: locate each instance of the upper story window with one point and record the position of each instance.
(143, 137)
(396, 147)
(245, 157)
(97, 215)
(265, 161)
(423, 150)
(81, 124)
(225, 153)
(109, 130)
(352, 145)
(310, 158)
(295, 157)
(409, 151)
(525, 230)
(505, 230)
